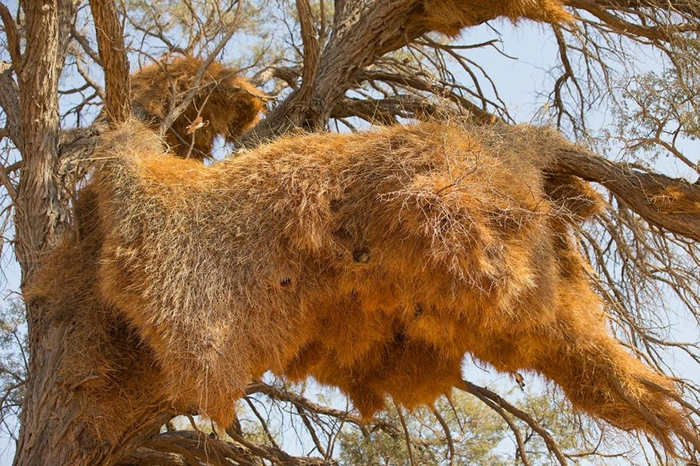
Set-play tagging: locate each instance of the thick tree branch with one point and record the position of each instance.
(383, 29)
(9, 101)
(312, 47)
(110, 42)
(12, 36)
(666, 202)
(380, 28)
(189, 447)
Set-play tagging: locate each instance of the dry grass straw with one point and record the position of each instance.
(372, 262)
(106, 365)
(450, 16)
(224, 104)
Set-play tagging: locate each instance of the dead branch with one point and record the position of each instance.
(663, 33)
(179, 105)
(416, 83)
(7, 183)
(688, 7)
(484, 393)
(406, 433)
(85, 45)
(519, 442)
(448, 434)
(276, 393)
(274, 455)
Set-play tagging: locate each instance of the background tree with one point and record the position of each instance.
(345, 65)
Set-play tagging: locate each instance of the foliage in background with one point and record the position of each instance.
(13, 364)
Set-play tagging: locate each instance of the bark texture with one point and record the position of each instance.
(40, 218)
(52, 428)
(110, 40)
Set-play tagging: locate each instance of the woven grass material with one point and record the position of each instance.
(372, 262)
(106, 365)
(224, 103)
(450, 16)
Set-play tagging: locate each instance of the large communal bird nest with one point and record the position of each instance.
(373, 262)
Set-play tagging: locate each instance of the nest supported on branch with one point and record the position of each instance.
(373, 262)
(223, 103)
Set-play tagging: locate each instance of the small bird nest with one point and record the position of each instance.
(223, 103)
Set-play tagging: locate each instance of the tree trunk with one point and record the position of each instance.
(58, 424)
(40, 216)
(53, 422)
